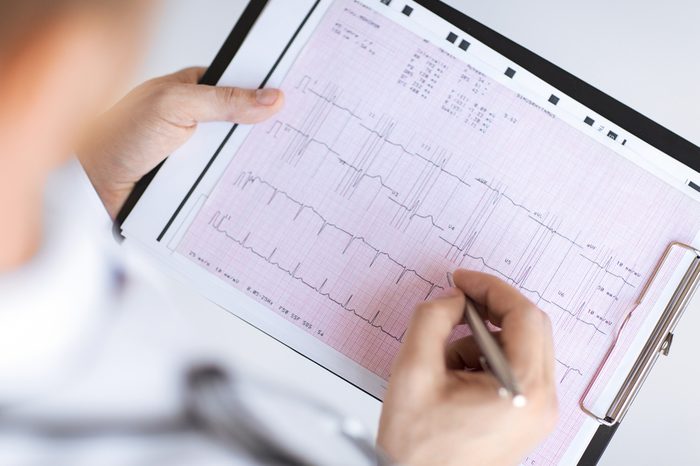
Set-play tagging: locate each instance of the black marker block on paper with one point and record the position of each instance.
(386, 2)
(407, 10)
(589, 121)
(694, 186)
(553, 99)
(510, 72)
(452, 37)
(464, 45)
(612, 135)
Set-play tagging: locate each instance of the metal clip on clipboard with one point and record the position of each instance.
(658, 343)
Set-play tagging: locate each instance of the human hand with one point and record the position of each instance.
(155, 119)
(436, 413)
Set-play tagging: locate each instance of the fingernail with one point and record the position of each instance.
(447, 293)
(267, 96)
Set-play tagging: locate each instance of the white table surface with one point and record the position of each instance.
(643, 53)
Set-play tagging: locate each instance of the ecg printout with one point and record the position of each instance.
(393, 162)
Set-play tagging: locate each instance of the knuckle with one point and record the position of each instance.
(550, 413)
(429, 311)
(532, 384)
(534, 315)
(411, 372)
(159, 93)
(163, 95)
(547, 322)
(231, 94)
(161, 98)
(172, 102)
(406, 370)
(191, 74)
(533, 311)
(424, 308)
(232, 99)
(545, 405)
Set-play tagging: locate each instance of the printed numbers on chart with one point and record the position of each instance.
(422, 74)
(349, 34)
(199, 259)
(510, 118)
(600, 318)
(296, 318)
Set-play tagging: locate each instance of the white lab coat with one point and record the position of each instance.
(87, 344)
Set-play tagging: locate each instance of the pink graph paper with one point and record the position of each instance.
(394, 162)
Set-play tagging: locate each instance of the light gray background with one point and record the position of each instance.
(643, 53)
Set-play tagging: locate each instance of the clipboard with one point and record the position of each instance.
(645, 129)
(659, 343)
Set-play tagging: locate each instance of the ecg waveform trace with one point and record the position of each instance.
(394, 162)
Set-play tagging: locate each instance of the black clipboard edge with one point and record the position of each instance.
(622, 115)
(216, 70)
(235, 125)
(597, 446)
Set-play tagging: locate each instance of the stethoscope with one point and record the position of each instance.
(215, 405)
(214, 392)
(232, 411)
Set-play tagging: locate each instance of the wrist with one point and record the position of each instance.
(112, 194)
(114, 198)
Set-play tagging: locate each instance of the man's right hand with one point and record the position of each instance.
(436, 413)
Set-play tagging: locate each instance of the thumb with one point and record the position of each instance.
(426, 338)
(201, 104)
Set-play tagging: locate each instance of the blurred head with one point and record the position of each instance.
(61, 61)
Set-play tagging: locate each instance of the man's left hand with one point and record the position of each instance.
(154, 120)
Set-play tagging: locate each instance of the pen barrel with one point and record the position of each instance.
(491, 350)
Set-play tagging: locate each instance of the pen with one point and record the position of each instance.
(496, 361)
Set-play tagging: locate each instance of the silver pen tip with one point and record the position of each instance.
(519, 401)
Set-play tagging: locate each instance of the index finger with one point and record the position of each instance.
(525, 331)
(498, 298)
(424, 345)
